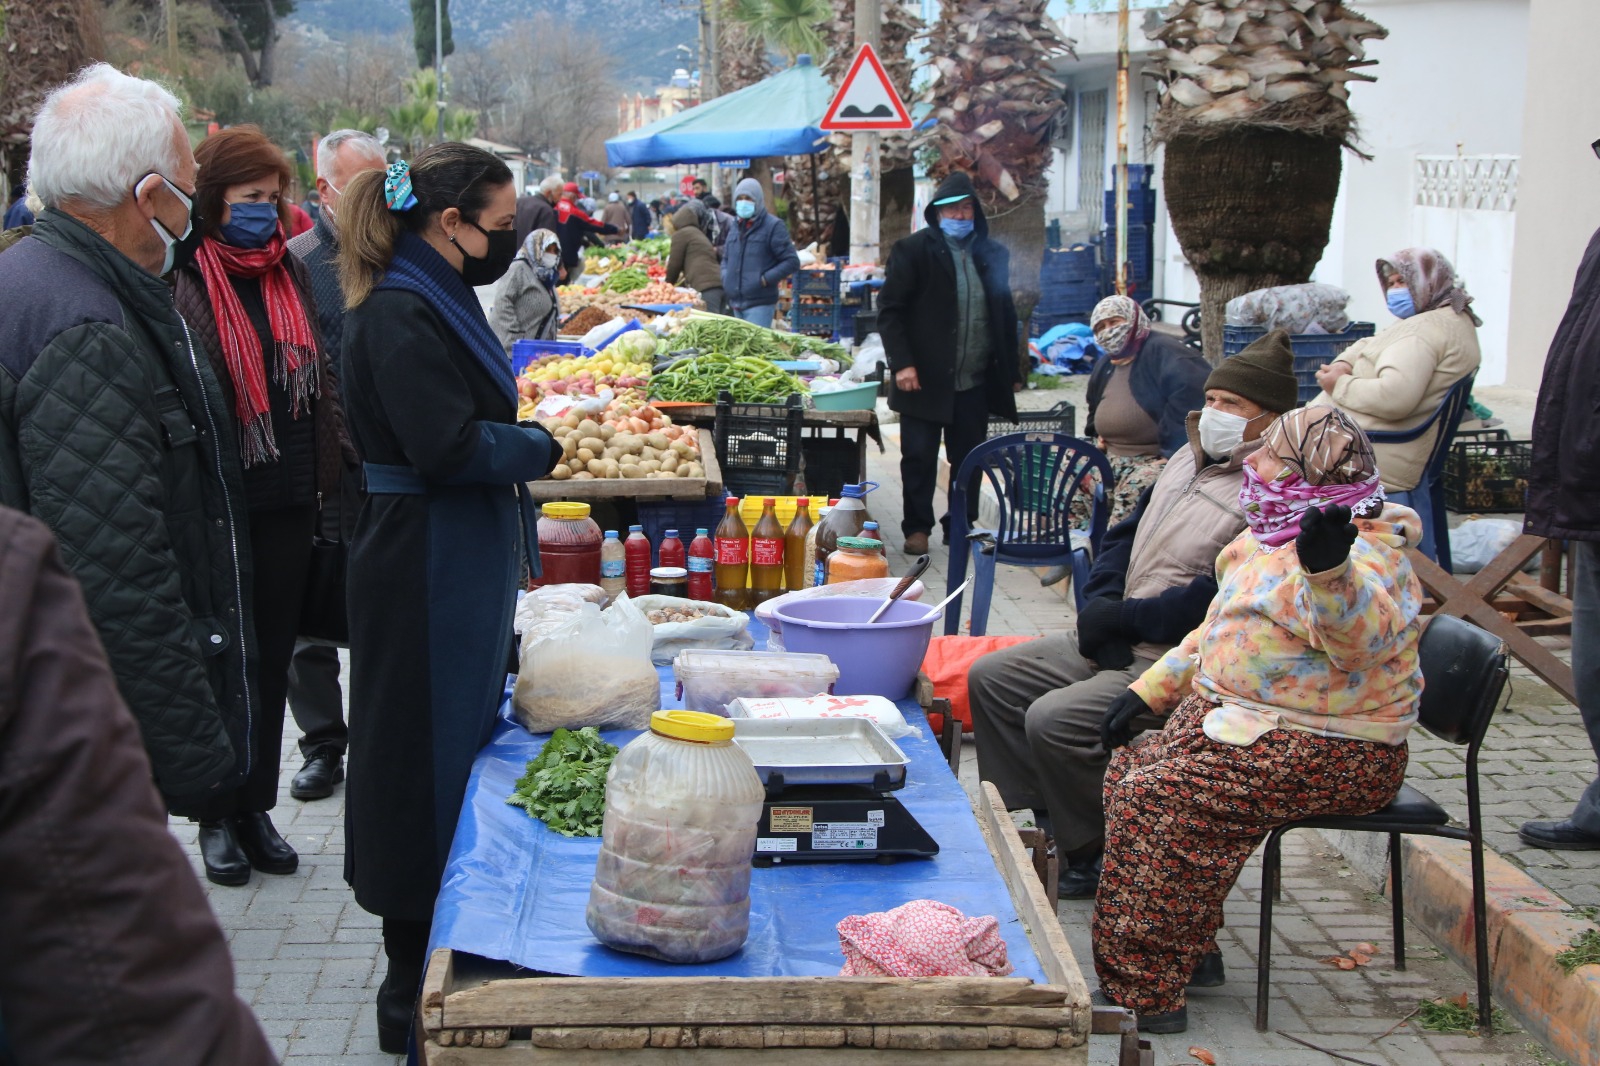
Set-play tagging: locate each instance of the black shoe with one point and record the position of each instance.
(1054, 576)
(396, 1013)
(1080, 880)
(316, 778)
(267, 851)
(1172, 1021)
(225, 861)
(1208, 972)
(1558, 836)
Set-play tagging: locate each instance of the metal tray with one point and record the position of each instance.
(821, 751)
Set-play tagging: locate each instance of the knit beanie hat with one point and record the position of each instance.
(1263, 373)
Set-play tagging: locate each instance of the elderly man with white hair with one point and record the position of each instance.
(537, 210)
(315, 696)
(114, 434)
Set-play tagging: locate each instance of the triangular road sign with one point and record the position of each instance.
(866, 101)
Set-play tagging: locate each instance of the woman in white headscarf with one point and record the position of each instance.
(526, 307)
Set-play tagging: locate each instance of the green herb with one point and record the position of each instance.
(1585, 951)
(564, 786)
(1455, 1016)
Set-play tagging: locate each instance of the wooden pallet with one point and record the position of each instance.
(854, 1021)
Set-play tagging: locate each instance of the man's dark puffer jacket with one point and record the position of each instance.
(113, 432)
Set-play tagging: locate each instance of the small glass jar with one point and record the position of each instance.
(856, 558)
(669, 581)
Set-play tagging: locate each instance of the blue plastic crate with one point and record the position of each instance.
(1079, 263)
(1311, 350)
(809, 282)
(1140, 175)
(814, 318)
(1141, 254)
(1141, 207)
(524, 352)
(686, 516)
(1069, 297)
(1043, 322)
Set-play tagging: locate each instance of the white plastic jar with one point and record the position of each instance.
(673, 878)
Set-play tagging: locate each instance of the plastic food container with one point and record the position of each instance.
(569, 545)
(673, 878)
(880, 659)
(710, 680)
(857, 559)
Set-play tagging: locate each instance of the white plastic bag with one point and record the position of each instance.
(1475, 543)
(874, 708)
(722, 629)
(868, 357)
(606, 332)
(591, 667)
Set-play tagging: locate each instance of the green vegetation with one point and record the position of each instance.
(1457, 1016)
(1585, 951)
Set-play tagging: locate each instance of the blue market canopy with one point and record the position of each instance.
(778, 116)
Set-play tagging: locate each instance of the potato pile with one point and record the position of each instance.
(592, 450)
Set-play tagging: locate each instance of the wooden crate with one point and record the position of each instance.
(678, 488)
(855, 1021)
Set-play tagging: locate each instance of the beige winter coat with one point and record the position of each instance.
(1398, 379)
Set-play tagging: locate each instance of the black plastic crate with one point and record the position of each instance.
(758, 445)
(686, 516)
(1062, 418)
(831, 464)
(1488, 474)
(809, 282)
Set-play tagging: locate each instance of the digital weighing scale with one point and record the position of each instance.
(830, 785)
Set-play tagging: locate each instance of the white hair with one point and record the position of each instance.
(551, 186)
(98, 134)
(328, 149)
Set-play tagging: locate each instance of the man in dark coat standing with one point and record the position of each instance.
(537, 210)
(639, 214)
(949, 329)
(1564, 502)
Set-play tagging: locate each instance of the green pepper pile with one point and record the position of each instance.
(749, 379)
(629, 279)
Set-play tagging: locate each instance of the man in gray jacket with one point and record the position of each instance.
(113, 430)
(1037, 708)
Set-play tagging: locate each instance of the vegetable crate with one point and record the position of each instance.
(686, 516)
(758, 445)
(1062, 418)
(524, 352)
(816, 283)
(1489, 474)
(1311, 350)
(832, 462)
(815, 319)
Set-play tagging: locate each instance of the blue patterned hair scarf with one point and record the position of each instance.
(397, 187)
(418, 268)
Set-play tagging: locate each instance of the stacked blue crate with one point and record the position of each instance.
(1141, 229)
(1069, 287)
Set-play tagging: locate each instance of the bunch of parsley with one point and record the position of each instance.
(564, 786)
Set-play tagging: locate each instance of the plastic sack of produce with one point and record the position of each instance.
(540, 610)
(1308, 308)
(591, 667)
(923, 938)
(874, 708)
(1476, 541)
(872, 586)
(717, 627)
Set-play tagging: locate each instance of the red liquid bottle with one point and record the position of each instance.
(670, 551)
(702, 558)
(637, 549)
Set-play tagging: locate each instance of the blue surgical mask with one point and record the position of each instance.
(745, 209)
(1400, 302)
(250, 225)
(959, 228)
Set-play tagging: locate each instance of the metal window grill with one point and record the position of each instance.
(1467, 182)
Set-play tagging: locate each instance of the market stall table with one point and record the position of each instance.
(515, 971)
(634, 488)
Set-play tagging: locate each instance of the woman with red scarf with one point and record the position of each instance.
(248, 303)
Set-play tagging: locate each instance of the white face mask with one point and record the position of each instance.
(550, 259)
(1221, 432)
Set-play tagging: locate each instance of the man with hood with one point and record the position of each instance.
(949, 329)
(691, 259)
(639, 215)
(756, 256)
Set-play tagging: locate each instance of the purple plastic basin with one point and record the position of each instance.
(880, 659)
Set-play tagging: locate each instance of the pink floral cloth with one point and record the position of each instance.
(923, 938)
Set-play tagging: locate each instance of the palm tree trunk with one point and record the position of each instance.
(896, 205)
(1020, 227)
(1251, 208)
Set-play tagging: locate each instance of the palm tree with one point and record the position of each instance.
(1255, 114)
(790, 26)
(994, 101)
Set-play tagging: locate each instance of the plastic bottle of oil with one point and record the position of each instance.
(732, 571)
(794, 546)
(766, 555)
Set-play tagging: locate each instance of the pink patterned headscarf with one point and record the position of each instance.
(1327, 460)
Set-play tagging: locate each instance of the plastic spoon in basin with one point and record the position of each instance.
(946, 601)
(900, 589)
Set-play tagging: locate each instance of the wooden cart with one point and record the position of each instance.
(475, 1014)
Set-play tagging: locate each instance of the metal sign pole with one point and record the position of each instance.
(865, 178)
(1122, 148)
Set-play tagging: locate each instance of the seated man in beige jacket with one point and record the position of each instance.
(1397, 379)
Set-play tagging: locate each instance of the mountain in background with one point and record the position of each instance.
(643, 34)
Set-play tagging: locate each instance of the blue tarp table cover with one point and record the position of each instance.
(515, 891)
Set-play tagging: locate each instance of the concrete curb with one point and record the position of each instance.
(1528, 926)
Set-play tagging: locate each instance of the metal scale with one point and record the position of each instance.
(830, 792)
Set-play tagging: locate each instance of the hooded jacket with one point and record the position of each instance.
(1563, 492)
(691, 257)
(917, 314)
(757, 254)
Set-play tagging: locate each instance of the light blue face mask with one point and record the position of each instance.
(959, 228)
(250, 225)
(745, 209)
(1400, 302)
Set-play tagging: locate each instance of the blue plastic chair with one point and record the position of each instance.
(1448, 417)
(1035, 477)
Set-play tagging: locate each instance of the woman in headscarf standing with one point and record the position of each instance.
(1292, 699)
(444, 534)
(249, 305)
(1398, 378)
(1140, 394)
(526, 307)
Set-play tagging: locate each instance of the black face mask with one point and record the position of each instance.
(492, 266)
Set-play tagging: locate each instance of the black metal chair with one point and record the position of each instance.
(1464, 670)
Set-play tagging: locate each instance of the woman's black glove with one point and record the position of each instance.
(1325, 538)
(1099, 624)
(1116, 729)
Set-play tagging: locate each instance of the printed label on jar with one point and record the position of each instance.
(700, 564)
(731, 552)
(613, 567)
(768, 551)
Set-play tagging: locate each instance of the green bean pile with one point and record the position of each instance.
(629, 279)
(730, 336)
(749, 379)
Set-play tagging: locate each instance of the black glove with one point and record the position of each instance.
(1325, 538)
(1099, 623)
(1116, 729)
(1114, 655)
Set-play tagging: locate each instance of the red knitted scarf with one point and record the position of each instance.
(294, 344)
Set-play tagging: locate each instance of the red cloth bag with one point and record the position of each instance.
(947, 663)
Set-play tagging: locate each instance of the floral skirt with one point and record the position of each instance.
(1133, 474)
(1183, 814)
